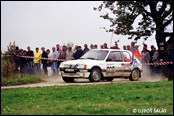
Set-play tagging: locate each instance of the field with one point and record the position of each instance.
(99, 99)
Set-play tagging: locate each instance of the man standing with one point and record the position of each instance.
(105, 46)
(44, 62)
(69, 54)
(17, 59)
(86, 49)
(145, 56)
(58, 48)
(49, 56)
(124, 47)
(54, 55)
(151, 56)
(155, 59)
(24, 61)
(59, 51)
(37, 61)
(78, 53)
(62, 55)
(95, 46)
(92, 46)
(128, 47)
(30, 60)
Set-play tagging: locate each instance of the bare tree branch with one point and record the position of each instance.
(168, 22)
(166, 14)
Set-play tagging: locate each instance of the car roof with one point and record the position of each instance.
(111, 50)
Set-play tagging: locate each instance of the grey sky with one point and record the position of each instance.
(46, 23)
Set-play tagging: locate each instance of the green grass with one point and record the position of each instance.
(106, 99)
(15, 80)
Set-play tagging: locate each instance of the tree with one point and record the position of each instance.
(156, 16)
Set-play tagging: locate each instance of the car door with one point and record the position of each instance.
(113, 64)
(126, 65)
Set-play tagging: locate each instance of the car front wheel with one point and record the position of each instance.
(95, 75)
(134, 75)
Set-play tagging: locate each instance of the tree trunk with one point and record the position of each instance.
(163, 54)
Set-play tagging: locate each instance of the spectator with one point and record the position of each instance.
(59, 51)
(101, 46)
(58, 48)
(54, 55)
(22, 51)
(86, 49)
(30, 60)
(37, 61)
(170, 66)
(145, 56)
(78, 53)
(62, 55)
(155, 59)
(17, 60)
(92, 46)
(116, 46)
(95, 46)
(105, 46)
(49, 56)
(69, 54)
(133, 46)
(44, 62)
(76, 48)
(124, 47)
(128, 47)
(24, 62)
(21, 63)
(171, 55)
(135, 51)
(145, 45)
(151, 56)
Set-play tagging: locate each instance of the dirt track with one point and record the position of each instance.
(57, 80)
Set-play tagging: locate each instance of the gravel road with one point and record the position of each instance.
(57, 81)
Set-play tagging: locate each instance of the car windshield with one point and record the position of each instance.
(95, 55)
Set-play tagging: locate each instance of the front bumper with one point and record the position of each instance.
(77, 73)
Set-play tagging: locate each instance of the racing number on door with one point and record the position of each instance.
(110, 69)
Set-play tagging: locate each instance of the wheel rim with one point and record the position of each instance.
(96, 75)
(135, 74)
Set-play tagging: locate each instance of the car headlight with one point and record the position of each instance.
(61, 65)
(81, 66)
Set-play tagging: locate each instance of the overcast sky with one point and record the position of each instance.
(47, 23)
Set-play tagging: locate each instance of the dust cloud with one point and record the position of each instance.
(148, 76)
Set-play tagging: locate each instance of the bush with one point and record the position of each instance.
(7, 68)
(7, 63)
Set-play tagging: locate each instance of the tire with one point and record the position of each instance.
(109, 79)
(68, 79)
(95, 75)
(134, 75)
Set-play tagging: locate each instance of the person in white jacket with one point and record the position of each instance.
(69, 54)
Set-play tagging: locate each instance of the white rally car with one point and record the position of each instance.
(102, 64)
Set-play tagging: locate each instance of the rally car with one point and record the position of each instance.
(97, 65)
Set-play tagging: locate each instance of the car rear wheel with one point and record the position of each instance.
(134, 75)
(68, 79)
(95, 75)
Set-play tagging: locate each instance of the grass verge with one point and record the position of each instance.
(15, 80)
(106, 99)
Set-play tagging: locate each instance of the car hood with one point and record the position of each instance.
(81, 61)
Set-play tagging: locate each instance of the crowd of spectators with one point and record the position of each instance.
(66, 52)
